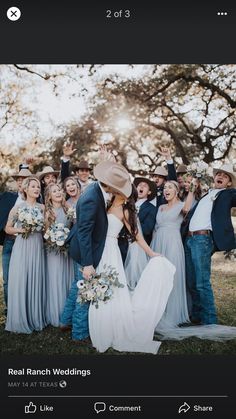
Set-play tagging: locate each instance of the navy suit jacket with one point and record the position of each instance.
(222, 228)
(88, 235)
(7, 202)
(147, 217)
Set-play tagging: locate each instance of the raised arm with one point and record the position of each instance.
(190, 197)
(68, 150)
(165, 152)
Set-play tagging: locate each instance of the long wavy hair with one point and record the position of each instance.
(50, 215)
(129, 206)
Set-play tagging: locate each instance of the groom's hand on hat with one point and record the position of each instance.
(88, 271)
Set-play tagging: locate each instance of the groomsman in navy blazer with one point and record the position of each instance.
(7, 202)
(146, 211)
(209, 228)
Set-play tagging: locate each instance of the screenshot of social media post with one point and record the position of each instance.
(117, 229)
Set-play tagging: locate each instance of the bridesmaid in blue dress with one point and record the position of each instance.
(27, 285)
(167, 241)
(59, 266)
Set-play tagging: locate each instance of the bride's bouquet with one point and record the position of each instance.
(30, 219)
(55, 237)
(100, 287)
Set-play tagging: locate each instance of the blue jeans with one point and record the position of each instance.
(6, 256)
(198, 251)
(74, 313)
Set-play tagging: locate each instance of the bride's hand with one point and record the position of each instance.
(153, 254)
(88, 271)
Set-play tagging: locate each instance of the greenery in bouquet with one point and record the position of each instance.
(55, 237)
(30, 219)
(201, 171)
(71, 214)
(99, 287)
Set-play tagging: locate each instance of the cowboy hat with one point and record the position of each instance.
(159, 171)
(182, 168)
(114, 175)
(151, 184)
(228, 169)
(22, 173)
(47, 170)
(83, 164)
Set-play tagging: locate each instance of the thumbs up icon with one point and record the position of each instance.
(31, 408)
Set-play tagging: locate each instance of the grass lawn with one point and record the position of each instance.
(52, 341)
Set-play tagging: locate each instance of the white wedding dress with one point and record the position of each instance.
(127, 323)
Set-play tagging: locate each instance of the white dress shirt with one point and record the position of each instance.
(19, 199)
(139, 202)
(201, 219)
(106, 195)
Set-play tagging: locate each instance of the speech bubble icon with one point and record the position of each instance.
(99, 407)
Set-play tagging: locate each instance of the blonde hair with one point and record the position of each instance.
(74, 180)
(26, 183)
(50, 216)
(176, 185)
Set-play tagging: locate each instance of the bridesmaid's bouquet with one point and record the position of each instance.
(71, 214)
(201, 171)
(55, 237)
(30, 219)
(100, 287)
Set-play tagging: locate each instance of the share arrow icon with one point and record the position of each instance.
(184, 408)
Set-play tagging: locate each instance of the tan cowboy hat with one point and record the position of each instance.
(182, 168)
(114, 175)
(47, 171)
(228, 169)
(83, 164)
(22, 173)
(159, 171)
(151, 184)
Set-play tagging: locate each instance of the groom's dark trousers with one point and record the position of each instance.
(87, 240)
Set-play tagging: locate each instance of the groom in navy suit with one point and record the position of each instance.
(87, 241)
(209, 228)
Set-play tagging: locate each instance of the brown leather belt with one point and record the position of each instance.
(199, 232)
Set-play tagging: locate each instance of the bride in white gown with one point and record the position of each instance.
(127, 323)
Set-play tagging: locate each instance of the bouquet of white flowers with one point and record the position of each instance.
(201, 171)
(30, 219)
(100, 287)
(55, 237)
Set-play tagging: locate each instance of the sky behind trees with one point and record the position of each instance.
(133, 109)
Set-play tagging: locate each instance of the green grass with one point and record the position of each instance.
(52, 341)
